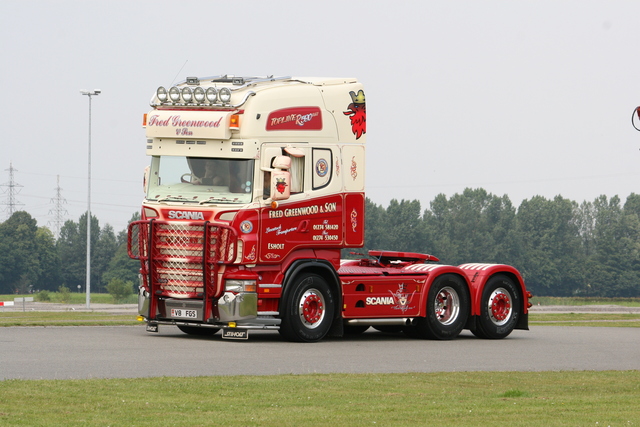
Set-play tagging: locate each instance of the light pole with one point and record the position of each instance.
(88, 279)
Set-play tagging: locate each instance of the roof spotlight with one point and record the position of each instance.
(225, 95)
(211, 94)
(162, 95)
(198, 94)
(174, 94)
(187, 94)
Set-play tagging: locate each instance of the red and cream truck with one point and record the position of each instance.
(254, 188)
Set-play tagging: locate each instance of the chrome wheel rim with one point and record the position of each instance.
(311, 308)
(447, 306)
(500, 306)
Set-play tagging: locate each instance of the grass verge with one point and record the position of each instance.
(624, 320)
(626, 302)
(71, 298)
(458, 398)
(66, 318)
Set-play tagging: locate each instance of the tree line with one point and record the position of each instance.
(32, 259)
(562, 248)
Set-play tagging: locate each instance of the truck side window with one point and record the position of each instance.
(322, 162)
(297, 174)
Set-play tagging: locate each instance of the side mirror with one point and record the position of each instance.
(145, 180)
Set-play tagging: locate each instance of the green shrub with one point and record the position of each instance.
(64, 294)
(119, 289)
(43, 296)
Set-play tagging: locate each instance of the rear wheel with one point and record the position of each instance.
(499, 308)
(308, 310)
(196, 330)
(448, 309)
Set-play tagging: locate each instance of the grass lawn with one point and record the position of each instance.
(578, 398)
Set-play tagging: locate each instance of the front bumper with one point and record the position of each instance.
(232, 309)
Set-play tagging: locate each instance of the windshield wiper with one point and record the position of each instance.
(174, 199)
(219, 200)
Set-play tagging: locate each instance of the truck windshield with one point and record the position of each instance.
(200, 180)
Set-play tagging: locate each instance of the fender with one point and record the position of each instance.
(311, 264)
(432, 272)
(326, 269)
(477, 276)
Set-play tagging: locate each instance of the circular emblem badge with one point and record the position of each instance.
(246, 227)
(322, 167)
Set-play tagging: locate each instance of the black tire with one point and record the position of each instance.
(308, 311)
(196, 330)
(500, 308)
(448, 308)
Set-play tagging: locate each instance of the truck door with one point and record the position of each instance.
(309, 218)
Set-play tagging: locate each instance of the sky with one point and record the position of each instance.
(521, 98)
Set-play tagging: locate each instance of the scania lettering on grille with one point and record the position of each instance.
(185, 215)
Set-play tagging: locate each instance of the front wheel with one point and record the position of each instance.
(308, 310)
(448, 307)
(499, 309)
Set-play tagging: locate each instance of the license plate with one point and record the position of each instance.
(152, 328)
(235, 334)
(184, 314)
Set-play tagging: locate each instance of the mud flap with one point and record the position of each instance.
(523, 322)
(337, 328)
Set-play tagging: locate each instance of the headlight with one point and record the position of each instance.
(150, 213)
(225, 95)
(187, 94)
(174, 94)
(237, 286)
(162, 95)
(198, 94)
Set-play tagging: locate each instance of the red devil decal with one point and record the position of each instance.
(280, 185)
(358, 113)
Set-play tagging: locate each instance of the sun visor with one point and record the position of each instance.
(293, 151)
(189, 124)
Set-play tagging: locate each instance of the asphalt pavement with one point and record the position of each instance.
(131, 352)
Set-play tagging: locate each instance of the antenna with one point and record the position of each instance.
(12, 190)
(178, 73)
